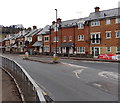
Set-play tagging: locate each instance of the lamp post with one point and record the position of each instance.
(56, 32)
(55, 57)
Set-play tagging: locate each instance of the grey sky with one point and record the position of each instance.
(42, 12)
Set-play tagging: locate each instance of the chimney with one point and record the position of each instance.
(34, 27)
(97, 9)
(58, 20)
(53, 22)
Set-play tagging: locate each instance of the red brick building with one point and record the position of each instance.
(104, 31)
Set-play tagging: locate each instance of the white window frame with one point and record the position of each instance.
(30, 39)
(46, 49)
(95, 23)
(117, 20)
(39, 38)
(117, 35)
(107, 49)
(117, 50)
(80, 37)
(70, 38)
(107, 34)
(81, 50)
(95, 38)
(108, 21)
(58, 50)
(64, 39)
(45, 39)
(55, 29)
(55, 39)
(80, 26)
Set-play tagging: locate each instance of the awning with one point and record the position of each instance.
(67, 45)
(37, 44)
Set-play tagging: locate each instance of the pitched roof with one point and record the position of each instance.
(33, 32)
(69, 23)
(105, 14)
(45, 30)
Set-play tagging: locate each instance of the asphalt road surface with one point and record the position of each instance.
(75, 80)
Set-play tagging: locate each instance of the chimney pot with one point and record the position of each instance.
(53, 22)
(58, 20)
(34, 27)
(97, 9)
(29, 29)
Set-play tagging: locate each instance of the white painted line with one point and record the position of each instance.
(77, 66)
(77, 72)
(110, 75)
(98, 85)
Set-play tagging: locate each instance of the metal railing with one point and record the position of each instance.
(29, 89)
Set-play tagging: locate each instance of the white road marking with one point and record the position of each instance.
(99, 62)
(111, 75)
(98, 85)
(77, 66)
(77, 72)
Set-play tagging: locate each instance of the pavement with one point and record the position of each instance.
(49, 59)
(8, 91)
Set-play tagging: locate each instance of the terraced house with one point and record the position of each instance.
(99, 33)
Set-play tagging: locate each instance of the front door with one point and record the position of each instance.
(95, 51)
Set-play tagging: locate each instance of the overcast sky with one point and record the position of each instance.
(42, 12)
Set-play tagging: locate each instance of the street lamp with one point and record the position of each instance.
(56, 32)
(55, 57)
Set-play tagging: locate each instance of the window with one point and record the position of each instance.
(80, 49)
(64, 39)
(55, 39)
(117, 20)
(46, 38)
(108, 49)
(40, 38)
(108, 35)
(118, 49)
(95, 38)
(30, 39)
(20, 43)
(80, 26)
(46, 49)
(80, 37)
(95, 23)
(54, 49)
(118, 34)
(70, 38)
(107, 21)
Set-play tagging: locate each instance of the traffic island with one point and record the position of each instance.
(41, 61)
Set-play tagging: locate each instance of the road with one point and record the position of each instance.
(75, 80)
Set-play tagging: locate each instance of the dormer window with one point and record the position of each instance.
(80, 26)
(95, 23)
(30, 39)
(55, 29)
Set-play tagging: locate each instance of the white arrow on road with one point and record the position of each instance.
(77, 72)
